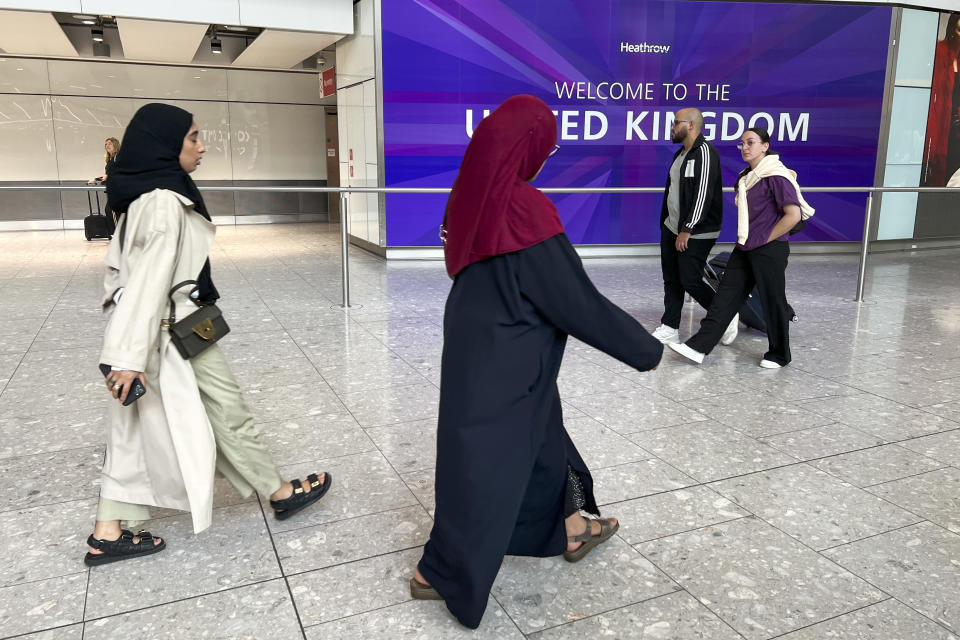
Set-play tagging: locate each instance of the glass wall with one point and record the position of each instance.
(259, 127)
(908, 121)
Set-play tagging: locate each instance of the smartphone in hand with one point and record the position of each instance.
(136, 390)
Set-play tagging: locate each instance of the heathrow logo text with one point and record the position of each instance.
(643, 47)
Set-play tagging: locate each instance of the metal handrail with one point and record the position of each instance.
(344, 240)
(613, 190)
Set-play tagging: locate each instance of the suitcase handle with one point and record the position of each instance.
(90, 202)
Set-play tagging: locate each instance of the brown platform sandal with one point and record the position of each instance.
(590, 541)
(421, 591)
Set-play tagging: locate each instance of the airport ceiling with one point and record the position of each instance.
(55, 34)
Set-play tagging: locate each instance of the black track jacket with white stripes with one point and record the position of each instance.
(701, 198)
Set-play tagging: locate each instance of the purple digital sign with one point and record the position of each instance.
(615, 72)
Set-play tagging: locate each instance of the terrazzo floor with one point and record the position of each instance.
(817, 501)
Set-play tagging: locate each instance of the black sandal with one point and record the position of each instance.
(422, 591)
(589, 541)
(301, 499)
(122, 548)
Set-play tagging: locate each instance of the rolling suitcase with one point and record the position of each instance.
(97, 225)
(752, 312)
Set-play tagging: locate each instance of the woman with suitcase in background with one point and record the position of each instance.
(111, 147)
(769, 205)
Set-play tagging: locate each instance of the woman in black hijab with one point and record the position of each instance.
(164, 448)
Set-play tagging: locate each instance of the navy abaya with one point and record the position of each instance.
(502, 451)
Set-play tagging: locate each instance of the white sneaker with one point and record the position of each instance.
(666, 334)
(686, 351)
(769, 364)
(732, 329)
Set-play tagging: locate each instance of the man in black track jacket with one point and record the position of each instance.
(689, 223)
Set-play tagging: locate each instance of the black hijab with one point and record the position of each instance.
(149, 159)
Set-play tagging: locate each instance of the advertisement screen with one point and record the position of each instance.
(615, 72)
(941, 148)
(941, 144)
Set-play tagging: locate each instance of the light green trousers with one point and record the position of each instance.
(241, 456)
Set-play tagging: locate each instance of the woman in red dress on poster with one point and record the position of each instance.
(942, 145)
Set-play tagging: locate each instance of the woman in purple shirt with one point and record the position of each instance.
(769, 205)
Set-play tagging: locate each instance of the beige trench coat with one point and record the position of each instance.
(160, 450)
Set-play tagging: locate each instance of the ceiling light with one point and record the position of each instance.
(321, 60)
(235, 28)
(83, 18)
(216, 46)
(97, 34)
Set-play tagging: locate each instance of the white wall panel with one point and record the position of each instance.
(355, 54)
(208, 11)
(305, 15)
(332, 16)
(350, 119)
(277, 49)
(33, 33)
(945, 5)
(342, 139)
(81, 125)
(213, 119)
(372, 206)
(908, 125)
(370, 122)
(356, 118)
(62, 134)
(160, 41)
(278, 142)
(898, 211)
(371, 158)
(918, 37)
(352, 149)
(118, 79)
(69, 6)
(358, 216)
(23, 75)
(27, 139)
(273, 86)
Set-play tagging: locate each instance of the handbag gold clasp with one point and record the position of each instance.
(205, 329)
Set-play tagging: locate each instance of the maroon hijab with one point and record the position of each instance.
(492, 209)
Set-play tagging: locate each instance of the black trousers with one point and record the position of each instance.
(683, 271)
(764, 268)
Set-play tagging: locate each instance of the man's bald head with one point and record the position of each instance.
(687, 125)
(693, 115)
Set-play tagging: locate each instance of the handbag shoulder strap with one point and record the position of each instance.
(123, 230)
(173, 306)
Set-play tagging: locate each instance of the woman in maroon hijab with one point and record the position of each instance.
(509, 480)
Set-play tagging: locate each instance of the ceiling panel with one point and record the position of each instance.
(208, 11)
(160, 41)
(283, 49)
(33, 33)
(329, 16)
(71, 6)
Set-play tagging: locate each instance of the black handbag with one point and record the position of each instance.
(195, 333)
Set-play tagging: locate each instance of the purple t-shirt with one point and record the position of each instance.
(765, 202)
